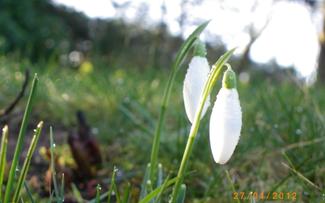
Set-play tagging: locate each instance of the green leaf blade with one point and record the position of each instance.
(20, 140)
(23, 174)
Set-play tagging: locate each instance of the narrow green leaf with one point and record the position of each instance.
(3, 154)
(143, 111)
(20, 140)
(146, 177)
(164, 185)
(117, 194)
(296, 172)
(231, 184)
(102, 197)
(135, 120)
(217, 67)
(76, 193)
(181, 194)
(187, 45)
(24, 170)
(126, 195)
(53, 171)
(30, 196)
(160, 180)
(111, 189)
(98, 189)
(160, 175)
(158, 190)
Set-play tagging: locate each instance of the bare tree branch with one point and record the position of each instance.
(245, 60)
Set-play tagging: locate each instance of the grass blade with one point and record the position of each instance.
(301, 176)
(158, 190)
(126, 195)
(98, 189)
(3, 153)
(102, 197)
(297, 173)
(76, 193)
(30, 196)
(181, 194)
(231, 183)
(55, 184)
(20, 140)
(146, 177)
(118, 198)
(163, 185)
(159, 180)
(187, 45)
(135, 120)
(24, 170)
(160, 175)
(111, 189)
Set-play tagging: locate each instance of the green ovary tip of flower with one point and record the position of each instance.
(229, 78)
(200, 49)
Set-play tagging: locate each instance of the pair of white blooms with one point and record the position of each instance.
(226, 116)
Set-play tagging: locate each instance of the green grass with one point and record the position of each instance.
(123, 104)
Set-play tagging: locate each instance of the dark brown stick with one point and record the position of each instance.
(13, 104)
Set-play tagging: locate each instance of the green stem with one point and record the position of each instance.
(3, 154)
(214, 74)
(187, 151)
(156, 141)
(20, 140)
(182, 53)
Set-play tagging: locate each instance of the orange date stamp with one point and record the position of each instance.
(286, 196)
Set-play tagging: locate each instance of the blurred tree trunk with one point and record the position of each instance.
(245, 61)
(321, 62)
(321, 58)
(157, 51)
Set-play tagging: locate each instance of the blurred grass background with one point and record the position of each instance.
(122, 106)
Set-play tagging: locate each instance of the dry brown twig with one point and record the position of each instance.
(6, 111)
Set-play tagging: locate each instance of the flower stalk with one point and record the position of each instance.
(214, 74)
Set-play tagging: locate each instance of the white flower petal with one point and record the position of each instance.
(195, 79)
(225, 125)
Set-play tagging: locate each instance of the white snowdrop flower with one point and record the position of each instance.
(195, 79)
(226, 120)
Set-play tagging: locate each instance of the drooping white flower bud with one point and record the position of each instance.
(226, 120)
(195, 79)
